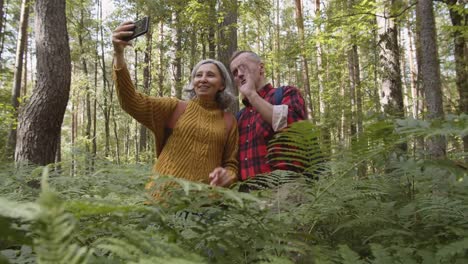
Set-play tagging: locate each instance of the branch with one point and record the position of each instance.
(376, 15)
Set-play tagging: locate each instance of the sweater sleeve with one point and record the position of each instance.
(152, 112)
(231, 148)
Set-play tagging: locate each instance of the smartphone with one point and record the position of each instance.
(141, 27)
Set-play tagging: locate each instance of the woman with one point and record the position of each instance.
(202, 146)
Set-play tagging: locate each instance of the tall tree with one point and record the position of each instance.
(459, 20)
(319, 72)
(413, 71)
(107, 109)
(162, 52)
(18, 74)
(2, 34)
(2, 3)
(40, 120)
(392, 96)
(212, 17)
(227, 39)
(430, 71)
(177, 52)
(302, 45)
(277, 46)
(83, 34)
(146, 88)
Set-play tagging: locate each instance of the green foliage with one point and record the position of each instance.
(391, 215)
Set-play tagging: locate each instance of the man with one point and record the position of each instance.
(262, 116)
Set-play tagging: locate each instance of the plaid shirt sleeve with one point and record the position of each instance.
(296, 107)
(254, 132)
(296, 112)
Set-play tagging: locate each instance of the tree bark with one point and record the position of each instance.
(278, 46)
(18, 74)
(319, 73)
(2, 35)
(430, 72)
(305, 65)
(162, 52)
(227, 40)
(461, 54)
(391, 98)
(146, 87)
(415, 93)
(1, 16)
(84, 65)
(41, 118)
(177, 56)
(106, 87)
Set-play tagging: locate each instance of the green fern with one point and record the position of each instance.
(454, 250)
(54, 231)
(348, 256)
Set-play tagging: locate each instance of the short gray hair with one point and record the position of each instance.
(224, 98)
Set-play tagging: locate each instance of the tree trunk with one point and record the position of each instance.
(106, 86)
(94, 114)
(193, 49)
(319, 74)
(406, 86)
(278, 46)
(461, 54)
(415, 94)
(2, 35)
(1, 16)
(24, 87)
(356, 127)
(146, 87)
(430, 72)
(162, 52)
(177, 59)
(84, 65)
(74, 134)
(355, 93)
(392, 96)
(212, 16)
(227, 43)
(41, 118)
(18, 74)
(116, 134)
(302, 44)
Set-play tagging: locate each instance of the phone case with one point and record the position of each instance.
(141, 27)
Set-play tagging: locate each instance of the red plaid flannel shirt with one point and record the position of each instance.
(254, 132)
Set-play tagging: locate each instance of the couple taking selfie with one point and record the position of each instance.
(197, 139)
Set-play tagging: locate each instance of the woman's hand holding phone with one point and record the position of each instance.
(127, 31)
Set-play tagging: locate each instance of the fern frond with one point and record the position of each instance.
(17, 210)
(140, 247)
(297, 147)
(457, 248)
(381, 256)
(54, 231)
(348, 256)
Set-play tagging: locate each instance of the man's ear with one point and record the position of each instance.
(261, 67)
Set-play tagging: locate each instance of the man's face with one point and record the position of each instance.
(243, 67)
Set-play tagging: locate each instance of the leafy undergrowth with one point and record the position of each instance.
(390, 214)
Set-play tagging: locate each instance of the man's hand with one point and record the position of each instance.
(123, 31)
(247, 83)
(220, 177)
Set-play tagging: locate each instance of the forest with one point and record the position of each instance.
(385, 146)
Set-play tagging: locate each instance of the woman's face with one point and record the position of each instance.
(207, 81)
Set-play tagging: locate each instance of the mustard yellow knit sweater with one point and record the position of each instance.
(199, 142)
